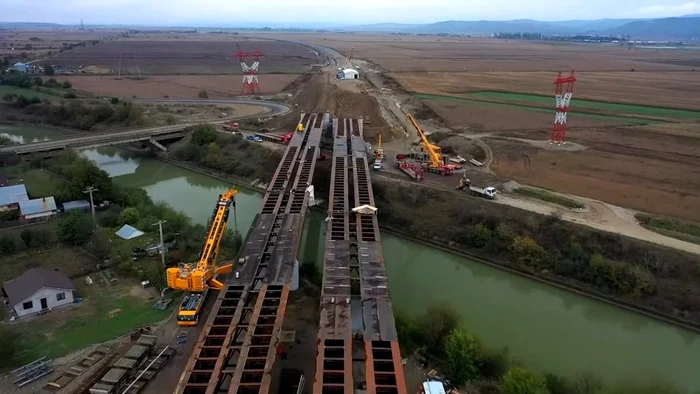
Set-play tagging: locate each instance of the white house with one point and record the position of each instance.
(38, 289)
(10, 196)
(38, 209)
(349, 73)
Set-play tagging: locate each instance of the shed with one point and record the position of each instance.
(350, 73)
(128, 232)
(38, 208)
(10, 195)
(38, 289)
(21, 67)
(79, 205)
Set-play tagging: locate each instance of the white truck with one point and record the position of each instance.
(486, 192)
(377, 164)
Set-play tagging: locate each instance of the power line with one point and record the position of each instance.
(90, 190)
(162, 244)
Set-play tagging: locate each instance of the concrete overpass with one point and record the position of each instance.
(94, 140)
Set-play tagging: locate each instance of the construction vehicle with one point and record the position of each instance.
(199, 277)
(231, 126)
(300, 128)
(437, 161)
(378, 156)
(486, 192)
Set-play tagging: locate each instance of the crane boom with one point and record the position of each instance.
(198, 277)
(433, 150)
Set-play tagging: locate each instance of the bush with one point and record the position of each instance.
(436, 324)
(8, 244)
(519, 380)
(529, 253)
(463, 354)
(204, 134)
(203, 94)
(75, 229)
(70, 96)
(48, 70)
(66, 85)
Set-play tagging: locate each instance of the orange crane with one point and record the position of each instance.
(437, 162)
(197, 278)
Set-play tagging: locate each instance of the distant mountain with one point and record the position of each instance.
(27, 25)
(667, 28)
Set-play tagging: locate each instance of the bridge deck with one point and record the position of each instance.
(237, 347)
(354, 264)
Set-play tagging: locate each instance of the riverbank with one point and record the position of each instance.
(484, 259)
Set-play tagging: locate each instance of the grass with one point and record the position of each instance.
(621, 119)
(103, 315)
(39, 183)
(671, 227)
(642, 110)
(549, 197)
(65, 259)
(29, 93)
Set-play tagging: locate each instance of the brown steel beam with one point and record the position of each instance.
(276, 332)
(240, 365)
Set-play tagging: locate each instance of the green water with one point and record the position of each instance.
(573, 112)
(544, 327)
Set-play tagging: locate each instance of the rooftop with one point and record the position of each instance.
(12, 194)
(37, 205)
(32, 280)
(128, 232)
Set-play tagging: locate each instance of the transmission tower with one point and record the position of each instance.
(250, 73)
(563, 99)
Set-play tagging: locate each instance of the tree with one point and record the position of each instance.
(100, 245)
(129, 216)
(8, 244)
(66, 85)
(436, 324)
(48, 70)
(520, 380)
(463, 354)
(203, 94)
(70, 96)
(204, 134)
(26, 236)
(75, 229)
(38, 81)
(41, 237)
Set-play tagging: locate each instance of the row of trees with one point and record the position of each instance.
(641, 273)
(83, 115)
(229, 154)
(438, 338)
(25, 80)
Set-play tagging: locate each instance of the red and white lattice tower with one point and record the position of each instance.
(563, 100)
(250, 73)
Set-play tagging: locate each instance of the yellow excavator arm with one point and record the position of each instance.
(197, 277)
(433, 150)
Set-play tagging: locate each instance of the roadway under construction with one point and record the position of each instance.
(237, 347)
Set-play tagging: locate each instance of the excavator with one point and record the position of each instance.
(437, 162)
(197, 278)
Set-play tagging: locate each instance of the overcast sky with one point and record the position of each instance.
(329, 12)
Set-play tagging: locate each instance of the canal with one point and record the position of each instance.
(544, 327)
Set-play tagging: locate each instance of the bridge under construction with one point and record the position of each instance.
(237, 347)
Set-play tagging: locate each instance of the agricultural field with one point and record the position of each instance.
(175, 86)
(40, 43)
(635, 113)
(8, 89)
(185, 56)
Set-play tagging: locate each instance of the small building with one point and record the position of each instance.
(128, 232)
(21, 67)
(10, 196)
(350, 73)
(36, 290)
(78, 205)
(38, 209)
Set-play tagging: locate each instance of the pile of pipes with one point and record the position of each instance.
(32, 371)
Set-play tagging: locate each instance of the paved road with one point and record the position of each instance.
(273, 108)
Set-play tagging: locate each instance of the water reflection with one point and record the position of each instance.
(25, 134)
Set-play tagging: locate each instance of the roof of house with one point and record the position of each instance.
(128, 232)
(32, 280)
(67, 206)
(37, 205)
(12, 194)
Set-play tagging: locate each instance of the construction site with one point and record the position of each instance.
(593, 138)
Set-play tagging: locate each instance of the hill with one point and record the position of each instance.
(668, 28)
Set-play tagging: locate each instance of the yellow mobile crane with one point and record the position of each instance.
(197, 278)
(437, 161)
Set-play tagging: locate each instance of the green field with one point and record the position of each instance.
(582, 105)
(572, 114)
(671, 227)
(549, 197)
(106, 313)
(6, 89)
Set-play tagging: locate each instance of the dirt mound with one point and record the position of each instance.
(464, 147)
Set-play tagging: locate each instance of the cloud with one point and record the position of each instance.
(668, 10)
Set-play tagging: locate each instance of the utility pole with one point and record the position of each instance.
(162, 244)
(90, 190)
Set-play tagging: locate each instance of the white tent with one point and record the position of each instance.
(365, 210)
(128, 232)
(349, 73)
